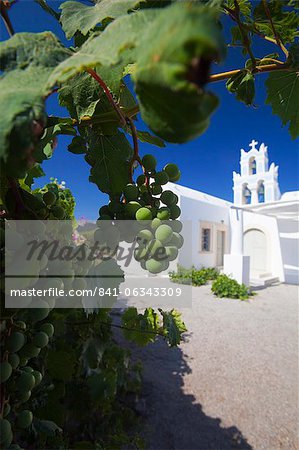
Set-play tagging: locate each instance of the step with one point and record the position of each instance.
(264, 281)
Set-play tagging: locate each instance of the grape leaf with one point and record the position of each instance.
(172, 71)
(242, 84)
(244, 5)
(293, 57)
(283, 96)
(77, 146)
(285, 22)
(76, 16)
(102, 385)
(61, 364)
(109, 157)
(35, 172)
(173, 326)
(107, 48)
(42, 50)
(92, 353)
(44, 148)
(28, 60)
(140, 328)
(145, 136)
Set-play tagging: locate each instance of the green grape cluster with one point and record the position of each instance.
(150, 206)
(145, 199)
(24, 339)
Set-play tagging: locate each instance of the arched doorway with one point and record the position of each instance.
(255, 246)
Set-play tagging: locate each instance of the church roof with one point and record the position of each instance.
(197, 195)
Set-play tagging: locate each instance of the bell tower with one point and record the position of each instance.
(257, 182)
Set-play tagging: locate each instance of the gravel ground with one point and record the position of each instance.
(233, 383)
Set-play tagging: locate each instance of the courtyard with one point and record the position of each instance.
(233, 382)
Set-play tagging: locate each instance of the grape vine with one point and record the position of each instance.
(65, 382)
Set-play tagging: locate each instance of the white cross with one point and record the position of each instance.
(252, 144)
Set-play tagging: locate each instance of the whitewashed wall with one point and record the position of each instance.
(289, 242)
(268, 225)
(195, 211)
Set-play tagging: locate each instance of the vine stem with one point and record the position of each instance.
(136, 156)
(124, 119)
(156, 333)
(277, 39)
(262, 69)
(6, 19)
(244, 34)
(108, 95)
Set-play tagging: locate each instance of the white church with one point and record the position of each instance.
(255, 239)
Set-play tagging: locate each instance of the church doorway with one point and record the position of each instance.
(255, 246)
(220, 248)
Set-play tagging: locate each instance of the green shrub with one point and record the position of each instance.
(193, 276)
(224, 286)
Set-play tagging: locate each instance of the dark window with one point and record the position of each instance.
(206, 239)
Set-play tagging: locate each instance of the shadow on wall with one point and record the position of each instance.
(171, 419)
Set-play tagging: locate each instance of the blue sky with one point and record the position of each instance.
(206, 163)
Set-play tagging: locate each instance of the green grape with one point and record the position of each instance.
(79, 283)
(161, 177)
(172, 171)
(131, 192)
(140, 254)
(163, 213)
(176, 225)
(5, 433)
(168, 198)
(30, 351)
(38, 314)
(144, 214)
(13, 240)
(171, 252)
(5, 371)
(176, 199)
(58, 212)
(131, 208)
(142, 264)
(49, 198)
(6, 409)
(55, 283)
(38, 377)
(115, 207)
(14, 360)
(156, 249)
(145, 235)
(143, 189)
(24, 397)
(149, 162)
(156, 188)
(24, 419)
(23, 361)
(48, 328)
(15, 341)
(20, 324)
(164, 233)
(175, 211)
(42, 213)
(25, 382)
(177, 240)
(141, 180)
(155, 223)
(104, 210)
(154, 266)
(28, 369)
(112, 236)
(40, 340)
